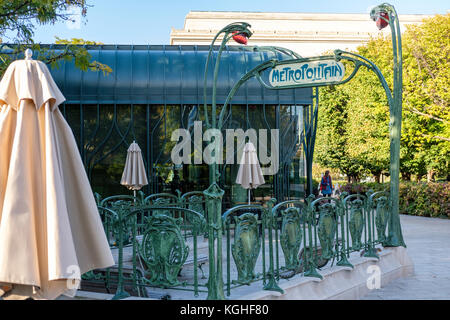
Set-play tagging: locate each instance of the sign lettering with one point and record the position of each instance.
(311, 72)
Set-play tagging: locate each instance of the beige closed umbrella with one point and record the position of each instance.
(50, 229)
(134, 176)
(250, 174)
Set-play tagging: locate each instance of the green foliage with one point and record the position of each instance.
(426, 132)
(425, 199)
(430, 199)
(362, 188)
(354, 118)
(53, 57)
(22, 16)
(332, 136)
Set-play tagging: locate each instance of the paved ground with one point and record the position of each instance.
(428, 244)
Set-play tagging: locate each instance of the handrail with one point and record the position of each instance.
(288, 238)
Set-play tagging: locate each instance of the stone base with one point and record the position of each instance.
(341, 282)
(338, 282)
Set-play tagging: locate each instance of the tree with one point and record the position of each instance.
(356, 116)
(368, 121)
(427, 96)
(21, 17)
(332, 135)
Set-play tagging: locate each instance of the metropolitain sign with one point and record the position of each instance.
(303, 73)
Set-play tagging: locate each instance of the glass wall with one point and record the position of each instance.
(104, 132)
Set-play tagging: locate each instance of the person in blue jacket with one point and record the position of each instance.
(326, 185)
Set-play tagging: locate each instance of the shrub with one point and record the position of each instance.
(362, 188)
(427, 199)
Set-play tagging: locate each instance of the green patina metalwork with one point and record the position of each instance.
(327, 229)
(381, 217)
(163, 250)
(246, 247)
(122, 228)
(196, 203)
(267, 223)
(395, 237)
(124, 232)
(357, 221)
(241, 28)
(307, 232)
(163, 202)
(270, 222)
(121, 225)
(291, 236)
(394, 97)
(342, 252)
(213, 196)
(311, 249)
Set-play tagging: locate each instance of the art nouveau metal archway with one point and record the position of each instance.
(309, 133)
(383, 15)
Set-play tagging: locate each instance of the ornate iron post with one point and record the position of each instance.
(271, 223)
(308, 138)
(121, 227)
(383, 15)
(213, 196)
(240, 32)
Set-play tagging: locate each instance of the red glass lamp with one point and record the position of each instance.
(240, 37)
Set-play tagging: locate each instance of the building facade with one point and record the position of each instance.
(308, 34)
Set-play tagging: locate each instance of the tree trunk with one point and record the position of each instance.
(430, 175)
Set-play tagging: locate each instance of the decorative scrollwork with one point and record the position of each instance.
(327, 229)
(162, 202)
(92, 275)
(291, 236)
(163, 250)
(122, 228)
(246, 246)
(356, 223)
(381, 218)
(196, 204)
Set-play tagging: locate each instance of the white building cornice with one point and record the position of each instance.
(306, 33)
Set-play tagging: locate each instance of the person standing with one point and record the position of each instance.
(326, 185)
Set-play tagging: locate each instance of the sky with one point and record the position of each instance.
(150, 21)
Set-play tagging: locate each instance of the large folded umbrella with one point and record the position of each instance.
(50, 228)
(134, 176)
(250, 174)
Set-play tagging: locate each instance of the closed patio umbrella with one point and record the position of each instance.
(50, 229)
(250, 174)
(134, 176)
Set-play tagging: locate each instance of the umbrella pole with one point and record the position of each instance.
(248, 196)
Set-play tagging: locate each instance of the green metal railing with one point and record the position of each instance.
(155, 229)
(252, 243)
(312, 233)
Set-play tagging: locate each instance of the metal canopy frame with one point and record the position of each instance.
(395, 237)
